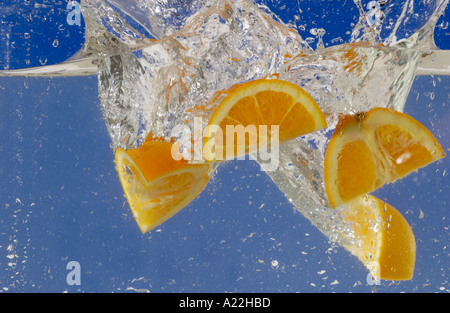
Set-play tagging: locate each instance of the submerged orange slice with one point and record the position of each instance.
(384, 241)
(155, 184)
(371, 149)
(253, 109)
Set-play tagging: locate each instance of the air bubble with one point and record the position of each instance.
(275, 264)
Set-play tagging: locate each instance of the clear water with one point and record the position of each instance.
(159, 87)
(155, 69)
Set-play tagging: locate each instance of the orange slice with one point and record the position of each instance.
(252, 110)
(155, 184)
(384, 240)
(371, 149)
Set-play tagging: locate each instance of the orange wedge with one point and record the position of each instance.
(253, 109)
(384, 241)
(155, 184)
(371, 149)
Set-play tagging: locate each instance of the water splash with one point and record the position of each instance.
(160, 63)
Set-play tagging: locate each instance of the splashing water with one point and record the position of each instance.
(167, 83)
(163, 75)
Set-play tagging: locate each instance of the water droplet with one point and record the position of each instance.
(26, 35)
(421, 214)
(444, 25)
(55, 43)
(43, 61)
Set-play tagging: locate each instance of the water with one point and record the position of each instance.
(156, 84)
(173, 80)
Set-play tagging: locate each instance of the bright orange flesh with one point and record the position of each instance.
(372, 149)
(355, 157)
(384, 240)
(155, 184)
(397, 143)
(264, 102)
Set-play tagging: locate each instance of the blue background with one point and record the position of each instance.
(61, 200)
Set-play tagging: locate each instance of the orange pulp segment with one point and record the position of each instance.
(249, 107)
(371, 149)
(155, 184)
(384, 241)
